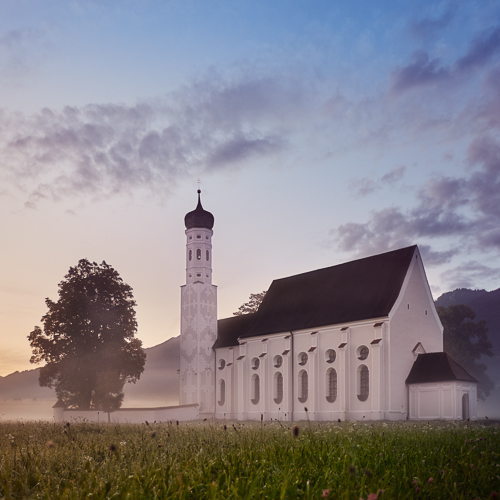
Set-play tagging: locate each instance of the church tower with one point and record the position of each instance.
(198, 314)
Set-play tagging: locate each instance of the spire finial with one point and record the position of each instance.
(199, 183)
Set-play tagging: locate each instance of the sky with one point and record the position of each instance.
(321, 131)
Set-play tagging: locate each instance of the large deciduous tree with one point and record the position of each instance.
(252, 305)
(467, 341)
(88, 339)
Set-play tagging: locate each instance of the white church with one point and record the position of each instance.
(360, 340)
(357, 341)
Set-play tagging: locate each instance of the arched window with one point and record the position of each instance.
(222, 392)
(278, 388)
(190, 255)
(303, 386)
(331, 385)
(198, 254)
(208, 254)
(255, 389)
(363, 383)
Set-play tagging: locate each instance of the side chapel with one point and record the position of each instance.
(359, 340)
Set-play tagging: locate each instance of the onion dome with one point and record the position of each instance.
(199, 217)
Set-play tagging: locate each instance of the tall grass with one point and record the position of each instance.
(234, 460)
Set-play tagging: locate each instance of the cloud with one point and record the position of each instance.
(460, 212)
(366, 186)
(481, 51)
(468, 274)
(110, 148)
(423, 70)
(239, 148)
(427, 28)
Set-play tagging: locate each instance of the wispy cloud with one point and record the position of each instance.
(429, 27)
(105, 149)
(468, 274)
(424, 70)
(367, 185)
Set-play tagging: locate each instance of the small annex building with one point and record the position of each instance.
(359, 340)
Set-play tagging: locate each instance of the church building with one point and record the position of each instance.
(360, 340)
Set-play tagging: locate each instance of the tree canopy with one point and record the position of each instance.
(252, 305)
(88, 339)
(467, 341)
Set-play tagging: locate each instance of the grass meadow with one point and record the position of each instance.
(272, 460)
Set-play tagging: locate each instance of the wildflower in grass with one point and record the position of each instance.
(431, 480)
(373, 496)
(49, 444)
(112, 448)
(368, 472)
(442, 472)
(325, 493)
(352, 470)
(494, 495)
(153, 434)
(295, 431)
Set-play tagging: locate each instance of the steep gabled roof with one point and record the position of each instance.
(354, 291)
(437, 367)
(229, 329)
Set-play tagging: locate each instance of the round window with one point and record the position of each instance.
(278, 361)
(255, 363)
(363, 352)
(330, 355)
(222, 364)
(303, 358)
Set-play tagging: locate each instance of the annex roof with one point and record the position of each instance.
(353, 291)
(437, 367)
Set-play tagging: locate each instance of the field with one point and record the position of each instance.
(253, 460)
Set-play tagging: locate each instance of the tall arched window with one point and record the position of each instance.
(363, 383)
(208, 255)
(198, 254)
(303, 386)
(190, 255)
(222, 392)
(255, 389)
(278, 388)
(331, 385)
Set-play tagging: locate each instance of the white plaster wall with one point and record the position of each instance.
(413, 319)
(441, 400)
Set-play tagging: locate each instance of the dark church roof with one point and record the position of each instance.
(358, 290)
(199, 217)
(437, 367)
(229, 329)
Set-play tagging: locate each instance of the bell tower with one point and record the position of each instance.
(198, 314)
